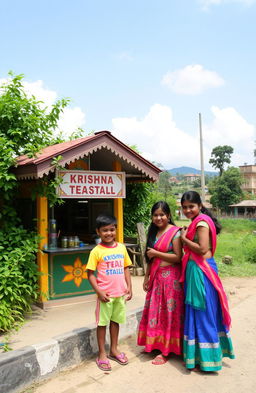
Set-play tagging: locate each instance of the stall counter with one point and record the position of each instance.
(67, 272)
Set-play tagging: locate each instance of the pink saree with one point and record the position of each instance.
(161, 325)
(204, 266)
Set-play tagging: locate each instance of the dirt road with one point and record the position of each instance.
(140, 375)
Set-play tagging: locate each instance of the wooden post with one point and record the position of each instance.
(142, 240)
(42, 258)
(202, 159)
(118, 209)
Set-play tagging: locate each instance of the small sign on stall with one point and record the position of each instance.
(91, 184)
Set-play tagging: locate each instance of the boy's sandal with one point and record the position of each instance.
(103, 365)
(121, 358)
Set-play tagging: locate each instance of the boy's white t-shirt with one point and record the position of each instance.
(110, 263)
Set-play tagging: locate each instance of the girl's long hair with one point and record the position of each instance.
(153, 229)
(194, 197)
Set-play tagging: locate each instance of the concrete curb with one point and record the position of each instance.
(21, 368)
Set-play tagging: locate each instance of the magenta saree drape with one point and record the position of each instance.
(161, 325)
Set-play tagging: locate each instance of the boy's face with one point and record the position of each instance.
(107, 234)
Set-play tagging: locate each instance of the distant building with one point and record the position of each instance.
(191, 177)
(249, 175)
(174, 179)
(245, 209)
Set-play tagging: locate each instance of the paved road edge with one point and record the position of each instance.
(21, 368)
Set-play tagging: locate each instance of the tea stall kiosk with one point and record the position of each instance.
(96, 169)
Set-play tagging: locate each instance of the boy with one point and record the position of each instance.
(112, 286)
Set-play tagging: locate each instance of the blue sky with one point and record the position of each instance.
(142, 69)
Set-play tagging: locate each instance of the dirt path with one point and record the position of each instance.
(141, 376)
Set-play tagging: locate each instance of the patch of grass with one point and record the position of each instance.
(236, 239)
(237, 225)
(235, 245)
(30, 389)
(182, 223)
(4, 342)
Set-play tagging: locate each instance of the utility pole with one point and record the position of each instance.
(202, 159)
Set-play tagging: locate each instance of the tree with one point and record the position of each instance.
(196, 183)
(221, 155)
(164, 185)
(226, 189)
(25, 128)
(137, 206)
(140, 198)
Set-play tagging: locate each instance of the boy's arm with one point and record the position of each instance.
(128, 282)
(103, 296)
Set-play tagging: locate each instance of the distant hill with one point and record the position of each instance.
(185, 170)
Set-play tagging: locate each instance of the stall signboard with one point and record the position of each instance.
(91, 184)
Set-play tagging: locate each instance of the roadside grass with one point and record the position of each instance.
(237, 225)
(182, 223)
(236, 240)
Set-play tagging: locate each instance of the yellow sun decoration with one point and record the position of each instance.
(77, 272)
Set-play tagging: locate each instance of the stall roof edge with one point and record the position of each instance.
(40, 165)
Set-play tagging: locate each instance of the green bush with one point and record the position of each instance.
(137, 206)
(26, 126)
(250, 248)
(18, 275)
(236, 239)
(140, 197)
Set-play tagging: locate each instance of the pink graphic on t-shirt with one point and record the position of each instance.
(110, 276)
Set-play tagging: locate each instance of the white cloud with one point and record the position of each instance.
(40, 92)
(125, 55)
(206, 4)
(230, 128)
(70, 120)
(160, 140)
(191, 80)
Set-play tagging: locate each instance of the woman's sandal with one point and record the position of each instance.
(121, 358)
(103, 365)
(195, 369)
(159, 360)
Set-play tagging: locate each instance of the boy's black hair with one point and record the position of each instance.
(103, 220)
(194, 197)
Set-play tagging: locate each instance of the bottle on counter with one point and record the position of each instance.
(52, 225)
(71, 242)
(52, 234)
(76, 241)
(64, 242)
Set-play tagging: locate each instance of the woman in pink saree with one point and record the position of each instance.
(161, 325)
(207, 320)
